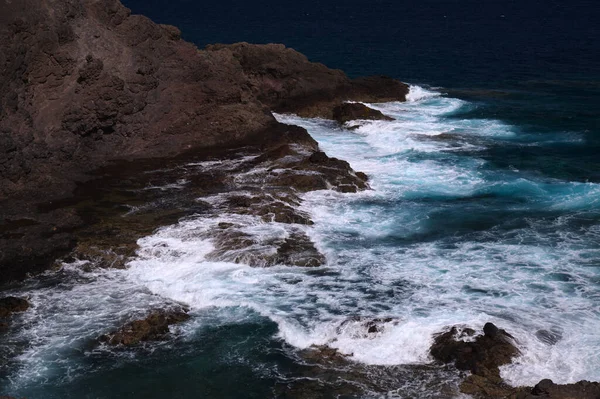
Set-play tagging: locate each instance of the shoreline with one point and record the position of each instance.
(120, 152)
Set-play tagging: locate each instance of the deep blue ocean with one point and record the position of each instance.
(485, 207)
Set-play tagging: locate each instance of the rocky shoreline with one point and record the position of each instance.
(101, 109)
(86, 84)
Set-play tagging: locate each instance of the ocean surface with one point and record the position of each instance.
(485, 206)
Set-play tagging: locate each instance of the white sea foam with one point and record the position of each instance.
(417, 93)
(525, 279)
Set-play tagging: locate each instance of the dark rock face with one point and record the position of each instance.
(285, 81)
(84, 83)
(347, 112)
(481, 355)
(489, 351)
(11, 304)
(152, 328)
(550, 390)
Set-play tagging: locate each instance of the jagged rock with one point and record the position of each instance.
(152, 328)
(347, 112)
(233, 245)
(11, 304)
(488, 351)
(482, 355)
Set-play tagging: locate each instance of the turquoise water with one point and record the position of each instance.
(470, 219)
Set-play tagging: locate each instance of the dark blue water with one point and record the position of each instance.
(486, 206)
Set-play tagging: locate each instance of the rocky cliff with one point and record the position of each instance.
(84, 83)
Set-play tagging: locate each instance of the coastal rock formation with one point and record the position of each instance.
(347, 112)
(152, 328)
(548, 389)
(84, 83)
(482, 355)
(8, 306)
(11, 304)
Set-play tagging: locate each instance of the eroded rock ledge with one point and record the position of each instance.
(84, 83)
(154, 327)
(482, 355)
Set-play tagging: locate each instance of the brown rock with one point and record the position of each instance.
(84, 83)
(550, 390)
(11, 304)
(482, 356)
(152, 328)
(347, 112)
(485, 352)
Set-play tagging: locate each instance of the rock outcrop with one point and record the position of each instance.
(347, 112)
(152, 328)
(11, 304)
(549, 390)
(483, 354)
(84, 83)
(8, 306)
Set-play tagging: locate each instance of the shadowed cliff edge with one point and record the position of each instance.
(84, 84)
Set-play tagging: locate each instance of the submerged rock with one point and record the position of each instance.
(364, 327)
(153, 328)
(11, 304)
(347, 112)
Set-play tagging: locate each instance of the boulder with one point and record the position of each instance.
(347, 112)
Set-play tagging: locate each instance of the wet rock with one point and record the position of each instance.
(365, 327)
(324, 354)
(11, 304)
(152, 328)
(482, 355)
(299, 250)
(490, 330)
(488, 351)
(347, 112)
(550, 390)
(327, 373)
(489, 386)
(233, 245)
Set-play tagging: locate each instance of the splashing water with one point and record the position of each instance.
(444, 237)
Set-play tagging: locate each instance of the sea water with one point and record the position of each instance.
(448, 234)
